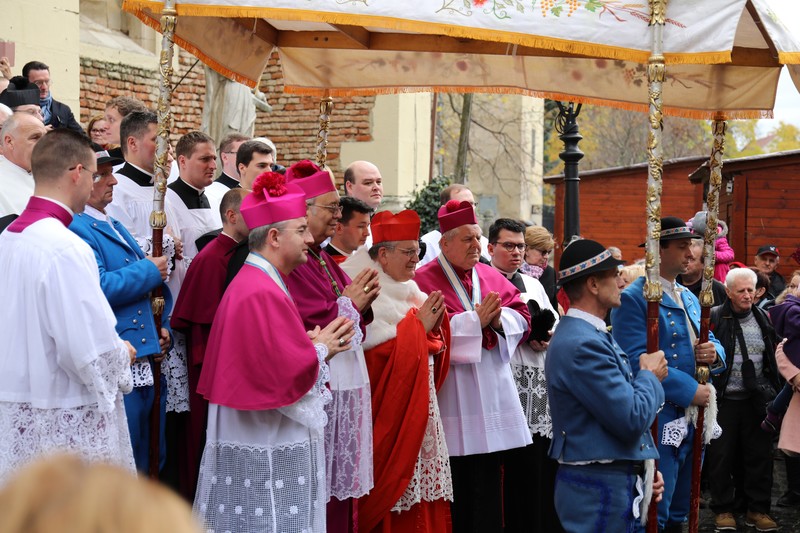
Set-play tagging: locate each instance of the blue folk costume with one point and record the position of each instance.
(629, 323)
(601, 412)
(126, 279)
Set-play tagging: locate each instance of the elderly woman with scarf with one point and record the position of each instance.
(407, 355)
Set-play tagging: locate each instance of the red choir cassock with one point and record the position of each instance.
(194, 312)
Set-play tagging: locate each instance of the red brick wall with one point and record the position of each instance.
(292, 125)
(294, 121)
(101, 81)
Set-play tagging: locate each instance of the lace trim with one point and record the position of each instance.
(348, 443)
(532, 389)
(310, 409)
(431, 480)
(142, 373)
(167, 248)
(348, 310)
(106, 376)
(262, 488)
(29, 433)
(174, 369)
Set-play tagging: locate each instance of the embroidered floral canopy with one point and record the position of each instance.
(722, 55)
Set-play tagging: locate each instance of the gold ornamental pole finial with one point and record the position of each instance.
(325, 108)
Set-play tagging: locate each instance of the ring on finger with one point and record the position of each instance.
(342, 342)
(366, 288)
(433, 309)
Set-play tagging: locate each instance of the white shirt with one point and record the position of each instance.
(16, 187)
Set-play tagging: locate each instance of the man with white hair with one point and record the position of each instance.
(19, 135)
(751, 372)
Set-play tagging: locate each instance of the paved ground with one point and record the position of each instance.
(788, 518)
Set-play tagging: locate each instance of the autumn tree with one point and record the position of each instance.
(618, 138)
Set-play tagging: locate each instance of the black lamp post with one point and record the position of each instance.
(567, 126)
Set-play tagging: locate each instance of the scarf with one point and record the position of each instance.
(46, 105)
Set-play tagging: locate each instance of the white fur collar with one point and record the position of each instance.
(393, 303)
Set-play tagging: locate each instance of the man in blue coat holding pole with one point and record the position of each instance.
(601, 411)
(126, 277)
(678, 333)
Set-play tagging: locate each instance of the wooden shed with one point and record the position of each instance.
(612, 203)
(758, 201)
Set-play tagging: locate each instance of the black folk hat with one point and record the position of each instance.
(673, 229)
(20, 92)
(584, 257)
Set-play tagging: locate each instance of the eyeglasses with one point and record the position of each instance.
(95, 176)
(408, 252)
(99, 130)
(543, 252)
(511, 246)
(43, 83)
(332, 208)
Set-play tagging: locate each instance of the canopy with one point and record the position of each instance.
(722, 55)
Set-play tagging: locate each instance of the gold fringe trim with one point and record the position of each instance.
(148, 20)
(461, 32)
(789, 58)
(699, 114)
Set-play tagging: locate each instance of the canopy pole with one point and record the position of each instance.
(567, 126)
(706, 301)
(656, 73)
(325, 108)
(158, 218)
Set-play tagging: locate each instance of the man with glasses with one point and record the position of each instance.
(61, 357)
(22, 96)
(529, 500)
(54, 113)
(323, 292)
(126, 277)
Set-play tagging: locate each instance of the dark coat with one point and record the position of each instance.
(62, 117)
(724, 325)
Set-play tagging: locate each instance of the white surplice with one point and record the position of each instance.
(480, 409)
(527, 366)
(16, 188)
(63, 368)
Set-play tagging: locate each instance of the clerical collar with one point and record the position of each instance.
(228, 181)
(228, 235)
(508, 275)
(198, 191)
(595, 321)
(191, 196)
(138, 175)
(340, 252)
